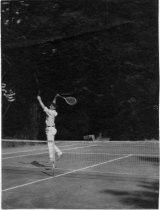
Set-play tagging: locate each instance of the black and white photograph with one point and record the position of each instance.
(79, 104)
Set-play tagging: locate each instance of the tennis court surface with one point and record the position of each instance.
(90, 175)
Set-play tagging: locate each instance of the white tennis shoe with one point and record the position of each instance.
(50, 165)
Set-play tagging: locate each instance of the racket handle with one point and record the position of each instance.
(58, 95)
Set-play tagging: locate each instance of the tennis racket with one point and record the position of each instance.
(70, 100)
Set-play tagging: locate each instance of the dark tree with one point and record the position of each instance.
(104, 53)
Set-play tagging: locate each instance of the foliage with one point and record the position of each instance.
(104, 53)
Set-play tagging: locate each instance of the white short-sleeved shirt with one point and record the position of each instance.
(50, 118)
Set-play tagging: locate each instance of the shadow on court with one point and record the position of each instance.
(146, 197)
(153, 160)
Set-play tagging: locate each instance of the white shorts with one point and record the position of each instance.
(51, 130)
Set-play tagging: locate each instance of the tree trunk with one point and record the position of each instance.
(34, 121)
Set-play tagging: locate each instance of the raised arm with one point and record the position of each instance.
(54, 100)
(40, 102)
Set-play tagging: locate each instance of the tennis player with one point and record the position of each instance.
(51, 130)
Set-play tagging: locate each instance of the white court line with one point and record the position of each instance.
(30, 150)
(44, 152)
(10, 153)
(5, 158)
(70, 172)
(105, 153)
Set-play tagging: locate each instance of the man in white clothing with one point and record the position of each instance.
(51, 131)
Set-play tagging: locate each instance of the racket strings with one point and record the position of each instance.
(70, 100)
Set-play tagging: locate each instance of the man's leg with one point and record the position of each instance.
(58, 151)
(51, 146)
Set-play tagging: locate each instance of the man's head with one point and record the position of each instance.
(53, 106)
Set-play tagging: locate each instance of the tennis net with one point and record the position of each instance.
(130, 157)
